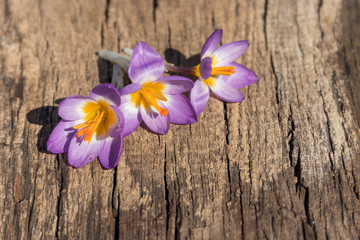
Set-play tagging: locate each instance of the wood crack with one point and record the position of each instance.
(264, 26)
(276, 81)
(104, 24)
(155, 6)
(58, 207)
(107, 11)
(116, 204)
(331, 144)
(166, 191)
(242, 211)
(213, 24)
(291, 135)
(319, 18)
(178, 215)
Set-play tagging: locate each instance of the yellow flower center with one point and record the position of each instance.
(99, 118)
(210, 81)
(149, 95)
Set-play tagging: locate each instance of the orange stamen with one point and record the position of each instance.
(223, 70)
(89, 128)
(151, 95)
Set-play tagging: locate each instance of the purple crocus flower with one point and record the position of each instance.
(152, 98)
(218, 71)
(90, 127)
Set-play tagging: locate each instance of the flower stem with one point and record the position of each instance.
(122, 60)
(188, 70)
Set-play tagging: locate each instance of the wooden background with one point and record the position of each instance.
(283, 164)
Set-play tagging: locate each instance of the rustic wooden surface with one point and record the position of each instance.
(283, 164)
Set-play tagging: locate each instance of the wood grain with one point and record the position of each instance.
(283, 164)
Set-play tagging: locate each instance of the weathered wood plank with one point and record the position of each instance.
(282, 164)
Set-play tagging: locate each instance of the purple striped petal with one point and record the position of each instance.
(156, 123)
(110, 154)
(106, 92)
(131, 88)
(71, 108)
(176, 84)
(224, 91)
(229, 52)
(116, 128)
(199, 96)
(211, 43)
(205, 68)
(146, 64)
(132, 117)
(241, 78)
(61, 136)
(83, 152)
(180, 109)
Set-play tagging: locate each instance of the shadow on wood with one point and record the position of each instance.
(48, 117)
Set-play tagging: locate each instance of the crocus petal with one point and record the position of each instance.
(83, 152)
(131, 88)
(154, 121)
(125, 98)
(180, 109)
(110, 154)
(146, 64)
(71, 108)
(176, 84)
(224, 91)
(132, 117)
(61, 136)
(106, 92)
(229, 52)
(199, 96)
(205, 67)
(116, 128)
(241, 78)
(211, 43)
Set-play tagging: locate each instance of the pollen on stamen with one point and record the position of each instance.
(163, 112)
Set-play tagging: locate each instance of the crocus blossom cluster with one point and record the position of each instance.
(95, 125)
